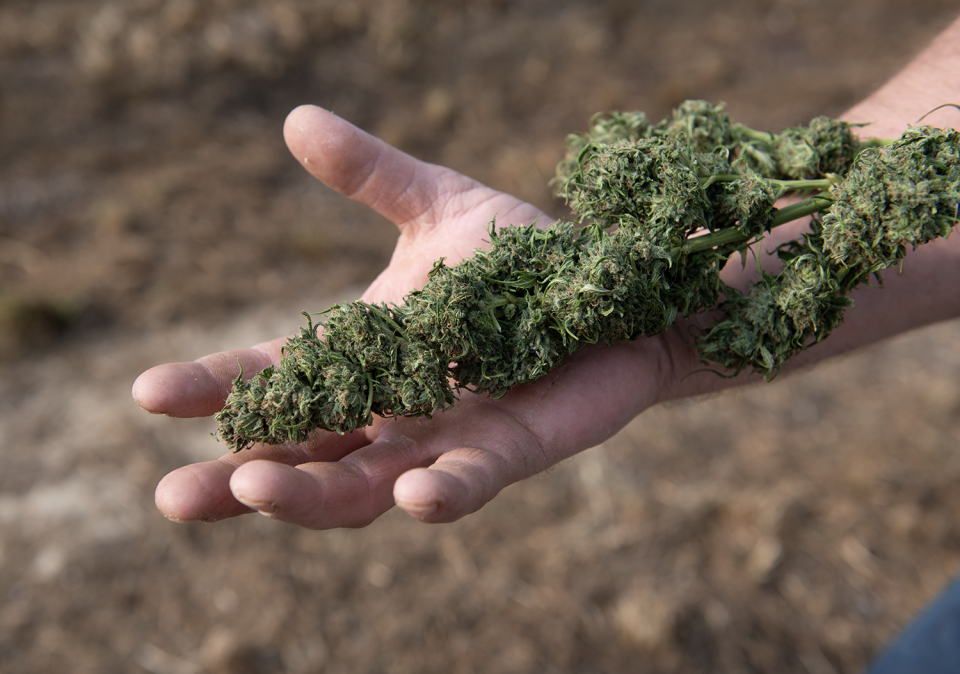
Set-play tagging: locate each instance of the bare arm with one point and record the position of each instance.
(929, 81)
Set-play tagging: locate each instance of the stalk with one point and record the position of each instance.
(738, 239)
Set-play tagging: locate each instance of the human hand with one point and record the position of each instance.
(440, 469)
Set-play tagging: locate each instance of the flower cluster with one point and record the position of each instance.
(658, 211)
(890, 201)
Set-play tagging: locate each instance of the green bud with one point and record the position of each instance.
(658, 210)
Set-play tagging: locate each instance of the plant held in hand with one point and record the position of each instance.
(659, 209)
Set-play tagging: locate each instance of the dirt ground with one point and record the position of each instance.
(149, 212)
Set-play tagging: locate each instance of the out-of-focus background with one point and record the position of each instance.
(149, 212)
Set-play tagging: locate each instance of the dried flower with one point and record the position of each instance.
(658, 211)
(903, 196)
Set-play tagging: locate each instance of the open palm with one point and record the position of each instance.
(436, 469)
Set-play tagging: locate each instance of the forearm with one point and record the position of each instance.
(930, 80)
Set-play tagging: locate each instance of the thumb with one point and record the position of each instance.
(365, 168)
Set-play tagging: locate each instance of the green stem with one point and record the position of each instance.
(721, 178)
(698, 244)
(800, 209)
(784, 185)
(733, 236)
(753, 134)
(802, 185)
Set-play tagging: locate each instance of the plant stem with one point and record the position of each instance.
(800, 209)
(784, 185)
(803, 185)
(735, 237)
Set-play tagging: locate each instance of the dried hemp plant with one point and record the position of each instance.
(659, 209)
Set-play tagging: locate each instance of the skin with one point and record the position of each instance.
(442, 469)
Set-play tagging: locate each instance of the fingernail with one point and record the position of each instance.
(419, 510)
(264, 508)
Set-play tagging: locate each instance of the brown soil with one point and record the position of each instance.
(149, 212)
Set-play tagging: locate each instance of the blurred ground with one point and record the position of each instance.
(149, 212)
